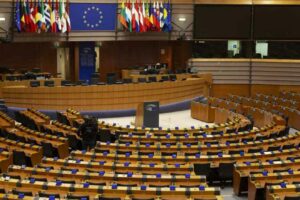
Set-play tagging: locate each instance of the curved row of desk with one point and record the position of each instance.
(106, 97)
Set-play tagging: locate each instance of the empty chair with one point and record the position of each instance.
(49, 150)
(111, 78)
(67, 181)
(232, 130)
(12, 136)
(225, 172)
(232, 152)
(35, 83)
(168, 153)
(127, 185)
(168, 143)
(273, 135)
(138, 133)
(284, 132)
(123, 152)
(104, 135)
(213, 153)
(145, 143)
(273, 148)
(77, 197)
(191, 143)
(19, 158)
(65, 83)
(281, 170)
(18, 192)
(152, 79)
(81, 82)
(39, 179)
(247, 139)
(159, 186)
(49, 83)
(255, 150)
(31, 141)
(288, 146)
(213, 142)
(199, 133)
(191, 153)
(101, 150)
(160, 134)
(216, 132)
(142, 80)
(273, 160)
(96, 183)
(164, 78)
(125, 142)
(189, 186)
(258, 138)
(127, 80)
(173, 77)
(232, 141)
(74, 143)
(94, 80)
(141, 153)
(179, 134)
(48, 195)
(203, 169)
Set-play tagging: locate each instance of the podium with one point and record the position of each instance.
(147, 114)
(202, 112)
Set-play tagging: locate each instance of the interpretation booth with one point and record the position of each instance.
(149, 100)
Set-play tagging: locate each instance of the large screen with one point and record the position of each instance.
(276, 22)
(222, 21)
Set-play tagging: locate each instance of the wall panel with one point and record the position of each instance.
(28, 56)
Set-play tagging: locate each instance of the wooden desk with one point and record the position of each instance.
(258, 181)
(121, 191)
(37, 119)
(200, 147)
(115, 166)
(226, 136)
(278, 193)
(34, 152)
(242, 171)
(158, 77)
(26, 83)
(108, 177)
(213, 160)
(61, 144)
(6, 159)
(105, 97)
(202, 112)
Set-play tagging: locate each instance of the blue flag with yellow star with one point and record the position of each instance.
(93, 16)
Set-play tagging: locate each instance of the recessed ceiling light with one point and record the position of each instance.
(182, 19)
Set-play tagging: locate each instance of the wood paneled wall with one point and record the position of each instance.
(118, 55)
(222, 90)
(28, 56)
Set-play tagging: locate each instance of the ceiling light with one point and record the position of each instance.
(182, 19)
(2, 19)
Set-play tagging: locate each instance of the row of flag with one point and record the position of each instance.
(143, 17)
(42, 16)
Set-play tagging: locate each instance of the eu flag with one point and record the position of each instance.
(93, 16)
